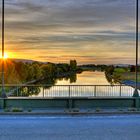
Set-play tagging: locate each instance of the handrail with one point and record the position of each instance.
(69, 90)
(43, 85)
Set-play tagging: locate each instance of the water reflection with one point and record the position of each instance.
(89, 78)
(103, 87)
(47, 85)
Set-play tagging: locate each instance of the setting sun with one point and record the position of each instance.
(5, 55)
(8, 55)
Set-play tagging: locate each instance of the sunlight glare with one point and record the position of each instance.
(5, 56)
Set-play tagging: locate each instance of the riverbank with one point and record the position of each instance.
(130, 76)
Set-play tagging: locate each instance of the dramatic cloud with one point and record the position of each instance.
(51, 30)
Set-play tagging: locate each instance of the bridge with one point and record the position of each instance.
(69, 96)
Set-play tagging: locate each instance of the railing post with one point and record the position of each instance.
(94, 91)
(120, 90)
(21, 91)
(17, 90)
(69, 92)
(43, 91)
(70, 100)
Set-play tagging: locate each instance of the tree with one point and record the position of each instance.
(48, 70)
(109, 70)
(37, 73)
(64, 67)
(22, 70)
(73, 65)
(31, 74)
(132, 68)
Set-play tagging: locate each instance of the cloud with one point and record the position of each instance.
(88, 59)
(67, 27)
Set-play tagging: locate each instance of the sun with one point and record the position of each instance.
(5, 56)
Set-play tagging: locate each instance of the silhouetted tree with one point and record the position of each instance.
(73, 65)
(132, 68)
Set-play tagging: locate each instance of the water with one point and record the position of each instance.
(84, 87)
(87, 78)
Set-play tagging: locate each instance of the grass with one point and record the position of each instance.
(29, 110)
(125, 74)
(132, 109)
(98, 109)
(130, 76)
(13, 109)
(120, 70)
(16, 109)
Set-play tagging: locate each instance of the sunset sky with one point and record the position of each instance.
(90, 31)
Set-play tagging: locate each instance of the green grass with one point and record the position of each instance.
(130, 76)
(125, 74)
(16, 109)
(120, 70)
(13, 109)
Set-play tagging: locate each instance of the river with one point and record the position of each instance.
(87, 78)
(84, 86)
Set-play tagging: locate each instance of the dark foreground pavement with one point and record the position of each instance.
(70, 128)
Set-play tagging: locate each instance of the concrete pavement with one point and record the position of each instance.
(70, 128)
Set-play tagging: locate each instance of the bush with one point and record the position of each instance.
(76, 110)
(29, 110)
(16, 109)
(98, 109)
(120, 70)
(132, 109)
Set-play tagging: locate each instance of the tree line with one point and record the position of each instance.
(22, 72)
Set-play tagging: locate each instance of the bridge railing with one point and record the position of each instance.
(49, 91)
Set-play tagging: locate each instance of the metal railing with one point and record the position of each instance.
(49, 91)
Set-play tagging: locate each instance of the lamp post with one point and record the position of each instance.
(136, 94)
(3, 95)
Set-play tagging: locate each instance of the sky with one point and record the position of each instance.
(90, 31)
